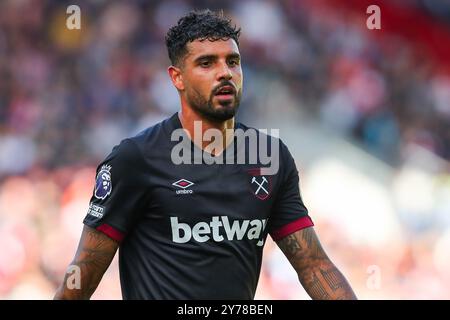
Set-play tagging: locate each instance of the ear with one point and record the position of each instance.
(176, 77)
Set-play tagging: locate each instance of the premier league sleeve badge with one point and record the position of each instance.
(103, 183)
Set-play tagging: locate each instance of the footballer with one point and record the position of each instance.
(196, 230)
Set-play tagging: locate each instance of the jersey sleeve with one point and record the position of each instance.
(289, 213)
(118, 195)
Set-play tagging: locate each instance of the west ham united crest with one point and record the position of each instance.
(103, 184)
(260, 185)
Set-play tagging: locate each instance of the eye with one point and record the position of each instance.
(234, 62)
(205, 63)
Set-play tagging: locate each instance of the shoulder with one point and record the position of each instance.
(267, 137)
(270, 147)
(155, 135)
(151, 134)
(130, 151)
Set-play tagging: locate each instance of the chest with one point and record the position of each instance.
(199, 192)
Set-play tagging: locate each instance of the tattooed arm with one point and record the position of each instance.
(94, 254)
(318, 275)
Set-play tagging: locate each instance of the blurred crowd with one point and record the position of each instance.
(68, 96)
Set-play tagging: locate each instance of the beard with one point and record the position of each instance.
(224, 111)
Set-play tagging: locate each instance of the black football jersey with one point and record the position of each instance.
(193, 230)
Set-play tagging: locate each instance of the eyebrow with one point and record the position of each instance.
(213, 57)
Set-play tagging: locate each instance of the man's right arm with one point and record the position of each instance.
(94, 255)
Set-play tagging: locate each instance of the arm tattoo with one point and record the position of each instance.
(289, 245)
(333, 278)
(317, 289)
(96, 250)
(318, 275)
(94, 254)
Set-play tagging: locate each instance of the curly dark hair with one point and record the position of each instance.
(198, 25)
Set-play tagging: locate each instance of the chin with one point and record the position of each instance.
(226, 113)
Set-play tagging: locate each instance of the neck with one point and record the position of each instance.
(188, 118)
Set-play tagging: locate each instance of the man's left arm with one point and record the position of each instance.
(317, 274)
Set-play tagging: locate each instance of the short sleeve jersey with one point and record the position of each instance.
(196, 229)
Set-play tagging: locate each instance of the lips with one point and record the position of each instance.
(225, 91)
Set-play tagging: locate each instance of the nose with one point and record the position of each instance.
(224, 73)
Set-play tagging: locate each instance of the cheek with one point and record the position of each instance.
(200, 89)
(200, 83)
(238, 78)
(197, 91)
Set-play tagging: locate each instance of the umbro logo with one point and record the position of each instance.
(183, 184)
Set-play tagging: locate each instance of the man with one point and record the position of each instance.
(196, 231)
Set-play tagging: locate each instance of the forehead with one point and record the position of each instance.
(198, 48)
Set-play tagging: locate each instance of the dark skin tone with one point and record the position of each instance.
(206, 65)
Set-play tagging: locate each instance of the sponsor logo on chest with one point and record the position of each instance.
(218, 229)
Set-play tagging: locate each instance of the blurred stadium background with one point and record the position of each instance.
(365, 113)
